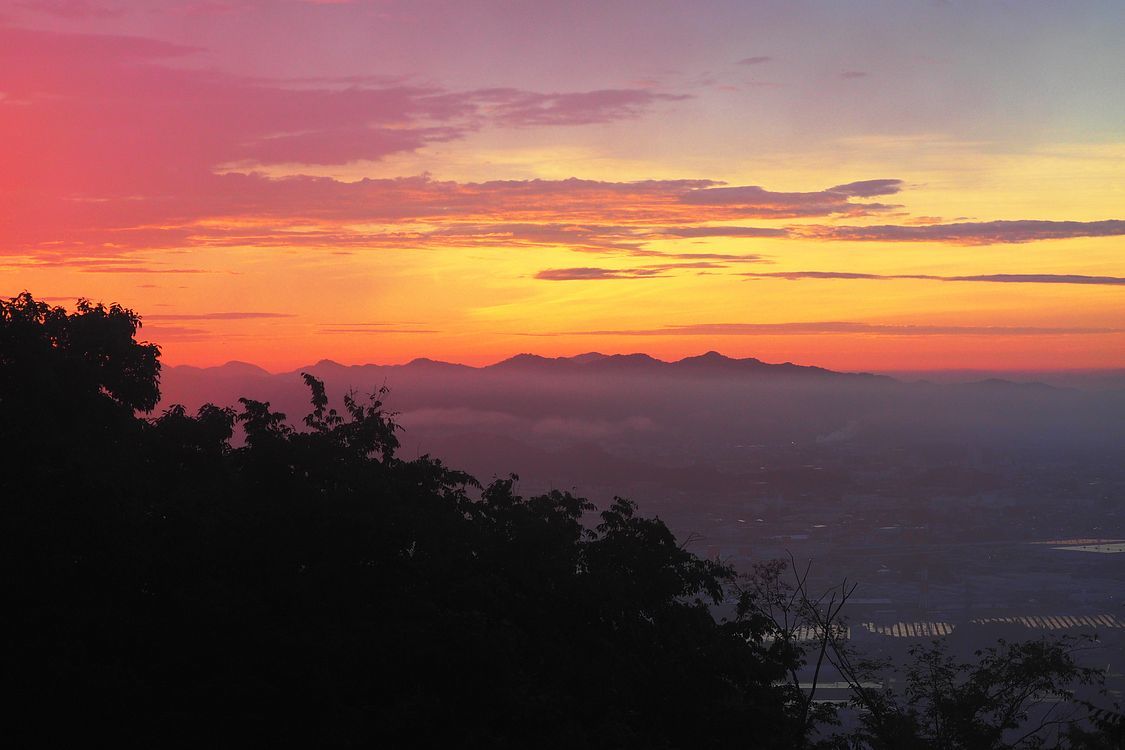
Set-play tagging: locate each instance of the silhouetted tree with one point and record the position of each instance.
(307, 586)
(1013, 695)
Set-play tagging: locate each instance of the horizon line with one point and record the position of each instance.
(880, 371)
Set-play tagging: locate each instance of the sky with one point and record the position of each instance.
(903, 185)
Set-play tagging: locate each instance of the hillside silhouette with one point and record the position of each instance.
(306, 586)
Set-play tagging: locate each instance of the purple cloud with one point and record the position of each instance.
(753, 200)
(972, 233)
(867, 188)
(111, 116)
(568, 212)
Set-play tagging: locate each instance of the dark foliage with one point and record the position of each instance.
(166, 585)
(307, 587)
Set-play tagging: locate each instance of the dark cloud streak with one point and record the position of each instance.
(971, 233)
(1002, 278)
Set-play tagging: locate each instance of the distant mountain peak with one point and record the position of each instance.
(434, 364)
(627, 360)
(245, 367)
(707, 358)
(634, 357)
(588, 357)
(525, 359)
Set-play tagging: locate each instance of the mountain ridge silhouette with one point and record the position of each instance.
(710, 362)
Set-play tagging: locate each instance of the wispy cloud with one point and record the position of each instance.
(524, 108)
(696, 232)
(234, 315)
(843, 327)
(1001, 278)
(175, 332)
(376, 331)
(138, 269)
(71, 9)
(723, 257)
(602, 274)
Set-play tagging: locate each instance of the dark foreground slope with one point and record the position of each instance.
(311, 588)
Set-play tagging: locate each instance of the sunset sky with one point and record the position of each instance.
(859, 185)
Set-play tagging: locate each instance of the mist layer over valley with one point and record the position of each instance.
(937, 497)
(963, 510)
(707, 423)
